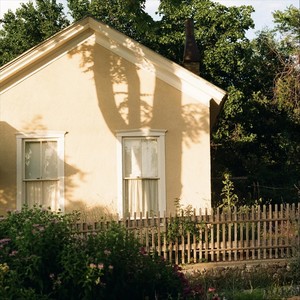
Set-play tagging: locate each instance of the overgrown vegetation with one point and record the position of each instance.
(269, 281)
(182, 223)
(41, 258)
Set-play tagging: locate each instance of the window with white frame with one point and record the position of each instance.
(40, 170)
(141, 171)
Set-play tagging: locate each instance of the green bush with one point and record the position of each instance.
(115, 266)
(31, 245)
(42, 258)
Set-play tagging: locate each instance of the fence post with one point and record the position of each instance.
(230, 233)
(206, 235)
(287, 239)
(264, 243)
(247, 234)
(275, 216)
(218, 234)
(212, 237)
(241, 240)
(270, 244)
(258, 233)
(235, 233)
(253, 252)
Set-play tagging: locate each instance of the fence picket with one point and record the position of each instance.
(229, 233)
(212, 238)
(235, 234)
(264, 239)
(253, 233)
(275, 241)
(218, 234)
(224, 244)
(256, 233)
(270, 236)
(247, 235)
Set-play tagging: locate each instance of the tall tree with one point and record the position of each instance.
(287, 82)
(29, 25)
(260, 141)
(127, 16)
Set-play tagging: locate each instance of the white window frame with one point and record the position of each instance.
(21, 138)
(159, 134)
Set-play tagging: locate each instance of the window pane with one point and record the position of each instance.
(49, 158)
(32, 160)
(34, 193)
(50, 194)
(149, 158)
(43, 193)
(141, 196)
(132, 157)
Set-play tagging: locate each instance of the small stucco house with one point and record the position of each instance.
(92, 119)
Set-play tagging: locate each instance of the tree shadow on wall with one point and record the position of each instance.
(8, 164)
(124, 104)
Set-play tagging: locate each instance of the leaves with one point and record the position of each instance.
(28, 26)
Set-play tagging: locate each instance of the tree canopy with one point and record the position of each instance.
(28, 26)
(257, 135)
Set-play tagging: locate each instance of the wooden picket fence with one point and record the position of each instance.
(267, 232)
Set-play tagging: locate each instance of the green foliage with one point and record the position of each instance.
(28, 26)
(229, 198)
(288, 21)
(42, 258)
(269, 282)
(127, 16)
(31, 243)
(183, 223)
(295, 259)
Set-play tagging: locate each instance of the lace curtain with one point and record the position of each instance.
(41, 173)
(140, 175)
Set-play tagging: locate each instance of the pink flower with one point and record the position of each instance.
(100, 266)
(13, 253)
(110, 267)
(211, 290)
(5, 241)
(107, 252)
(92, 266)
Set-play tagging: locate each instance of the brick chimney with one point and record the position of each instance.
(191, 55)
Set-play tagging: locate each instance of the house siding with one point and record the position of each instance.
(90, 93)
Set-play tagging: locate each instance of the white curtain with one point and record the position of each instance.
(141, 175)
(43, 193)
(141, 196)
(41, 164)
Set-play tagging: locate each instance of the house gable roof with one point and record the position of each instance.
(122, 45)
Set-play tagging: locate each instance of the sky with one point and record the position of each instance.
(262, 16)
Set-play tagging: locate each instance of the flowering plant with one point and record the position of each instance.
(42, 258)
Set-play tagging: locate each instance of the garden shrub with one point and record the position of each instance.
(295, 259)
(42, 258)
(115, 266)
(31, 244)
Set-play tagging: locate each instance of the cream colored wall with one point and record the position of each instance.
(90, 93)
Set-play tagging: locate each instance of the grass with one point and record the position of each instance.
(241, 283)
